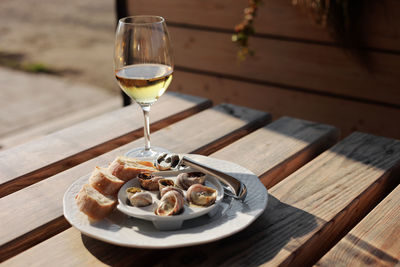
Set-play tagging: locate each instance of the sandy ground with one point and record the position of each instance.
(74, 38)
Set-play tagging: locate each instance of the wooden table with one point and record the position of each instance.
(329, 203)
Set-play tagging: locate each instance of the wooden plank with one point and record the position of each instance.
(64, 121)
(312, 208)
(28, 99)
(295, 66)
(29, 163)
(283, 141)
(32, 221)
(283, 146)
(275, 18)
(347, 115)
(375, 241)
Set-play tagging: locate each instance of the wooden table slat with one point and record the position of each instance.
(286, 145)
(88, 251)
(374, 241)
(36, 207)
(311, 209)
(34, 161)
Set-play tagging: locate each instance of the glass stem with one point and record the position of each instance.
(146, 114)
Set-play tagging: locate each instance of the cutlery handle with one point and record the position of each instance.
(237, 187)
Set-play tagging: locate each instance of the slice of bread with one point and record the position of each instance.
(104, 182)
(128, 168)
(94, 204)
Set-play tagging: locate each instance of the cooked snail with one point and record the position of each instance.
(201, 195)
(167, 161)
(185, 180)
(141, 199)
(132, 190)
(149, 181)
(138, 198)
(170, 204)
(162, 183)
(171, 188)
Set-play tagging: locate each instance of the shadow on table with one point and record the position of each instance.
(256, 244)
(280, 229)
(261, 241)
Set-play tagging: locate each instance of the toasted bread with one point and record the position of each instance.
(128, 168)
(104, 182)
(94, 204)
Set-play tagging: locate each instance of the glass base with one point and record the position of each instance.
(140, 152)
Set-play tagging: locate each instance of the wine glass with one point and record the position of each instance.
(144, 64)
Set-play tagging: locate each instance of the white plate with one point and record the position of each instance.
(167, 222)
(231, 216)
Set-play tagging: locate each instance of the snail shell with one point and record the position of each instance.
(148, 181)
(170, 204)
(132, 190)
(201, 195)
(167, 161)
(141, 199)
(162, 183)
(185, 180)
(171, 188)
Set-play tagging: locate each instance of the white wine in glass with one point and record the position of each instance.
(143, 62)
(144, 83)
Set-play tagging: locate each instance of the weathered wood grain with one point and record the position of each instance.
(297, 66)
(276, 18)
(312, 208)
(29, 163)
(348, 115)
(279, 149)
(62, 121)
(375, 241)
(291, 54)
(278, 143)
(307, 212)
(34, 208)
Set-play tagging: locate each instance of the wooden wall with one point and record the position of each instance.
(297, 70)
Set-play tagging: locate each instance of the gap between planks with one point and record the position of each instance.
(237, 121)
(305, 135)
(318, 204)
(374, 241)
(50, 168)
(276, 19)
(307, 212)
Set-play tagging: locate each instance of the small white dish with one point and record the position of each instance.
(166, 223)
